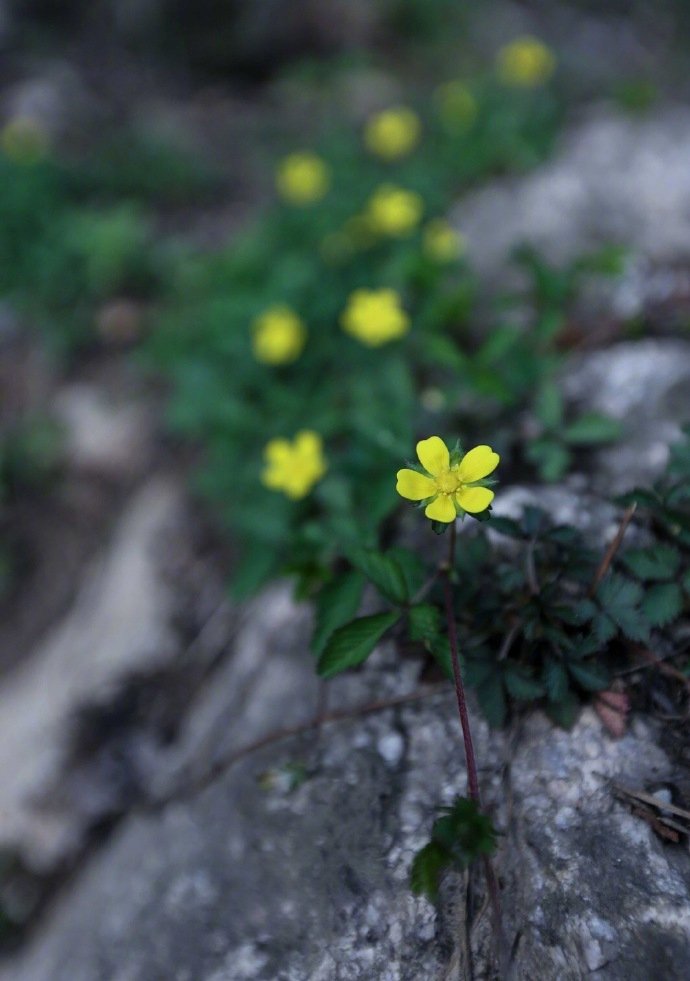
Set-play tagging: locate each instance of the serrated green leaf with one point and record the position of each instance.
(413, 568)
(662, 603)
(492, 700)
(555, 679)
(425, 622)
(336, 603)
(464, 832)
(383, 571)
(550, 457)
(506, 526)
(654, 562)
(427, 867)
(521, 685)
(592, 428)
(590, 676)
(352, 644)
(604, 628)
(564, 713)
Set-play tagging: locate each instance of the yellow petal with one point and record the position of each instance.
(433, 455)
(414, 486)
(478, 463)
(474, 499)
(308, 442)
(442, 509)
(277, 451)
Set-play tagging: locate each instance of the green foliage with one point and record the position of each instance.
(459, 836)
(350, 645)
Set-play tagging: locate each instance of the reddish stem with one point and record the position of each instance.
(472, 777)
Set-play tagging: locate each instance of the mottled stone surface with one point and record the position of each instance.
(646, 386)
(616, 179)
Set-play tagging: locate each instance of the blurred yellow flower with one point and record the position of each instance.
(456, 105)
(525, 63)
(375, 317)
(441, 242)
(278, 336)
(394, 211)
(449, 487)
(294, 468)
(303, 178)
(393, 133)
(23, 140)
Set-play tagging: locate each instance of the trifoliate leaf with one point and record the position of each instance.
(383, 571)
(655, 562)
(337, 603)
(662, 603)
(352, 644)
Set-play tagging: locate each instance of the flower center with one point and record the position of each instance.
(447, 482)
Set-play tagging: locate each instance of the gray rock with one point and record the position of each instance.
(120, 622)
(645, 385)
(251, 880)
(616, 179)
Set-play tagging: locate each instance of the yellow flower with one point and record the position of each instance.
(525, 63)
(303, 178)
(441, 242)
(456, 105)
(450, 487)
(375, 317)
(278, 336)
(394, 211)
(23, 140)
(294, 468)
(392, 134)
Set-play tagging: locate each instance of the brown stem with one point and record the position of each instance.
(612, 549)
(472, 776)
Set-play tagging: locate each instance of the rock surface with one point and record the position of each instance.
(615, 180)
(251, 879)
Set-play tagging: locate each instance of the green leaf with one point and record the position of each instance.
(564, 713)
(556, 680)
(506, 526)
(604, 628)
(548, 406)
(620, 597)
(425, 622)
(412, 568)
(663, 603)
(352, 644)
(492, 700)
(655, 562)
(383, 571)
(427, 866)
(550, 457)
(464, 832)
(336, 603)
(590, 676)
(592, 428)
(521, 685)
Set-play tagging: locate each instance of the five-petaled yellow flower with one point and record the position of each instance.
(441, 242)
(278, 336)
(525, 63)
(303, 178)
(456, 105)
(393, 133)
(394, 211)
(450, 487)
(375, 317)
(294, 468)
